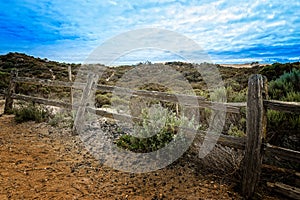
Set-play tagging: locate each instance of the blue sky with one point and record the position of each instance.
(230, 31)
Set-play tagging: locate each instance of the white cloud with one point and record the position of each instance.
(225, 25)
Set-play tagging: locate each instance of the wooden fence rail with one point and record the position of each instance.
(230, 141)
(257, 105)
(162, 96)
(290, 107)
(282, 153)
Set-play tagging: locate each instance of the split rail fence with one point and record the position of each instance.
(253, 144)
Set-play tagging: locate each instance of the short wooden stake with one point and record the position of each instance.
(80, 114)
(70, 80)
(10, 91)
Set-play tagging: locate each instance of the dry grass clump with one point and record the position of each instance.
(221, 161)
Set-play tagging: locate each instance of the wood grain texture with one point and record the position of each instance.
(290, 107)
(10, 91)
(256, 133)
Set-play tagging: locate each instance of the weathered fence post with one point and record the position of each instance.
(70, 80)
(10, 91)
(80, 114)
(256, 133)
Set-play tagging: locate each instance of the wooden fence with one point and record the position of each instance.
(254, 144)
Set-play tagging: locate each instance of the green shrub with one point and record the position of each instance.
(235, 131)
(282, 127)
(103, 99)
(219, 94)
(4, 81)
(228, 94)
(286, 86)
(31, 113)
(292, 96)
(56, 120)
(202, 93)
(158, 127)
(240, 96)
(285, 121)
(62, 119)
(117, 100)
(275, 70)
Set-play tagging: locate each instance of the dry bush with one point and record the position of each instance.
(221, 161)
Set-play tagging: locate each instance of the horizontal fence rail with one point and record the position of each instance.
(42, 101)
(289, 191)
(283, 153)
(230, 141)
(45, 82)
(187, 100)
(290, 107)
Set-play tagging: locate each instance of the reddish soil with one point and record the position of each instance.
(38, 161)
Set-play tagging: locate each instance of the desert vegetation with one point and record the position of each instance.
(283, 85)
(165, 119)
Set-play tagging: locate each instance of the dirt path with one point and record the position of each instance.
(39, 162)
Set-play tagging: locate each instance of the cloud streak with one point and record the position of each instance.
(228, 30)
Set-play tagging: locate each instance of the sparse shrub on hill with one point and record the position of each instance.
(235, 131)
(240, 96)
(235, 124)
(31, 112)
(103, 99)
(4, 77)
(219, 94)
(28, 66)
(286, 87)
(228, 94)
(62, 119)
(283, 128)
(158, 127)
(275, 70)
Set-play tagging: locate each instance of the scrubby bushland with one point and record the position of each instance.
(235, 124)
(62, 119)
(283, 128)
(286, 87)
(158, 127)
(103, 99)
(275, 70)
(28, 66)
(4, 77)
(31, 112)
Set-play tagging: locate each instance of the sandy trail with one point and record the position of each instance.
(40, 162)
